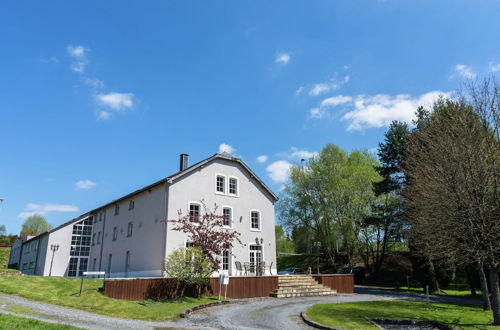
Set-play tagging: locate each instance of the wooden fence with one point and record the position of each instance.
(239, 287)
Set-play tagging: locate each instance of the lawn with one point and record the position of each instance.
(14, 322)
(352, 315)
(64, 291)
(4, 260)
(453, 290)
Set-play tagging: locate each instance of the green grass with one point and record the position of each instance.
(9, 322)
(4, 260)
(452, 290)
(352, 315)
(64, 291)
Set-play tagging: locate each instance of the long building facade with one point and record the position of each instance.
(130, 236)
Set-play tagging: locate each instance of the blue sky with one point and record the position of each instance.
(99, 98)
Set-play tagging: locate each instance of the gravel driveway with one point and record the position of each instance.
(257, 313)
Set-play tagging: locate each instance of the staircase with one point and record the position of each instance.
(300, 286)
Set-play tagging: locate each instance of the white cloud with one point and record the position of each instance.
(494, 67)
(299, 154)
(317, 113)
(79, 55)
(226, 148)
(464, 71)
(262, 159)
(299, 90)
(103, 115)
(329, 86)
(116, 101)
(335, 100)
(42, 209)
(282, 58)
(85, 184)
(279, 171)
(380, 110)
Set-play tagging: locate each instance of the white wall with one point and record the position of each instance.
(145, 244)
(200, 184)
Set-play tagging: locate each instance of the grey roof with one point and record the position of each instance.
(171, 178)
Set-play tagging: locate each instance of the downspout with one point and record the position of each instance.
(165, 220)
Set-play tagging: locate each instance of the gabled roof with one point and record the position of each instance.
(171, 178)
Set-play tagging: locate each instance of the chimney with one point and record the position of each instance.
(184, 162)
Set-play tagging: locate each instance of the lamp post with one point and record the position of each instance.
(318, 246)
(53, 248)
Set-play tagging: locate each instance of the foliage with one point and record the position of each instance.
(283, 242)
(329, 198)
(63, 291)
(453, 171)
(189, 266)
(35, 224)
(3, 230)
(354, 315)
(207, 232)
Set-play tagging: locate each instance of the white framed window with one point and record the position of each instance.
(220, 184)
(194, 211)
(255, 220)
(233, 186)
(117, 209)
(130, 229)
(131, 205)
(115, 233)
(226, 257)
(227, 213)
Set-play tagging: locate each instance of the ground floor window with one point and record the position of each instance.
(77, 266)
(255, 257)
(226, 256)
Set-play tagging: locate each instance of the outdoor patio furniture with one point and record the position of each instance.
(262, 268)
(239, 268)
(270, 268)
(248, 269)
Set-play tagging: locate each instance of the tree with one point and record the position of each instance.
(35, 224)
(3, 230)
(189, 266)
(453, 172)
(283, 242)
(329, 198)
(206, 231)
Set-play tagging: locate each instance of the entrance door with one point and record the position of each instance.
(255, 258)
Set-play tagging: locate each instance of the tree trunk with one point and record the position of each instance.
(484, 288)
(433, 282)
(470, 279)
(495, 295)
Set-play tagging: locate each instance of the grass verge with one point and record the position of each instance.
(63, 291)
(15, 322)
(353, 315)
(454, 291)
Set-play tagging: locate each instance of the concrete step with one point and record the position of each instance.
(302, 294)
(316, 289)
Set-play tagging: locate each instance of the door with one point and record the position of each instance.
(255, 258)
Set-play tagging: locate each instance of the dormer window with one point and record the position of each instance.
(220, 184)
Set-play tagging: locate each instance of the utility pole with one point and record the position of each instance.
(53, 248)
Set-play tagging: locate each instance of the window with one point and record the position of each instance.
(117, 209)
(73, 265)
(233, 186)
(228, 216)
(32, 265)
(115, 233)
(255, 220)
(225, 257)
(83, 266)
(220, 184)
(102, 216)
(189, 244)
(110, 258)
(93, 239)
(131, 205)
(194, 212)
(127, 262)
(130, 228)
(99, 238)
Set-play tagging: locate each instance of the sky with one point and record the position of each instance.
(99, 98)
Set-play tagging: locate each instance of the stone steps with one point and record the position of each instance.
(300, 286)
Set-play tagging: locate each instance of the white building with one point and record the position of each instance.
(129, 237)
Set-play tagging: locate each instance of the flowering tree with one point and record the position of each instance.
(206, 231)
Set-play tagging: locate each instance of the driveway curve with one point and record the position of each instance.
(256, 313)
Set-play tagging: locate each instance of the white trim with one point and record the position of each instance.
(260, 220)
(232, 216)
(237, 186)
(225, 184)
